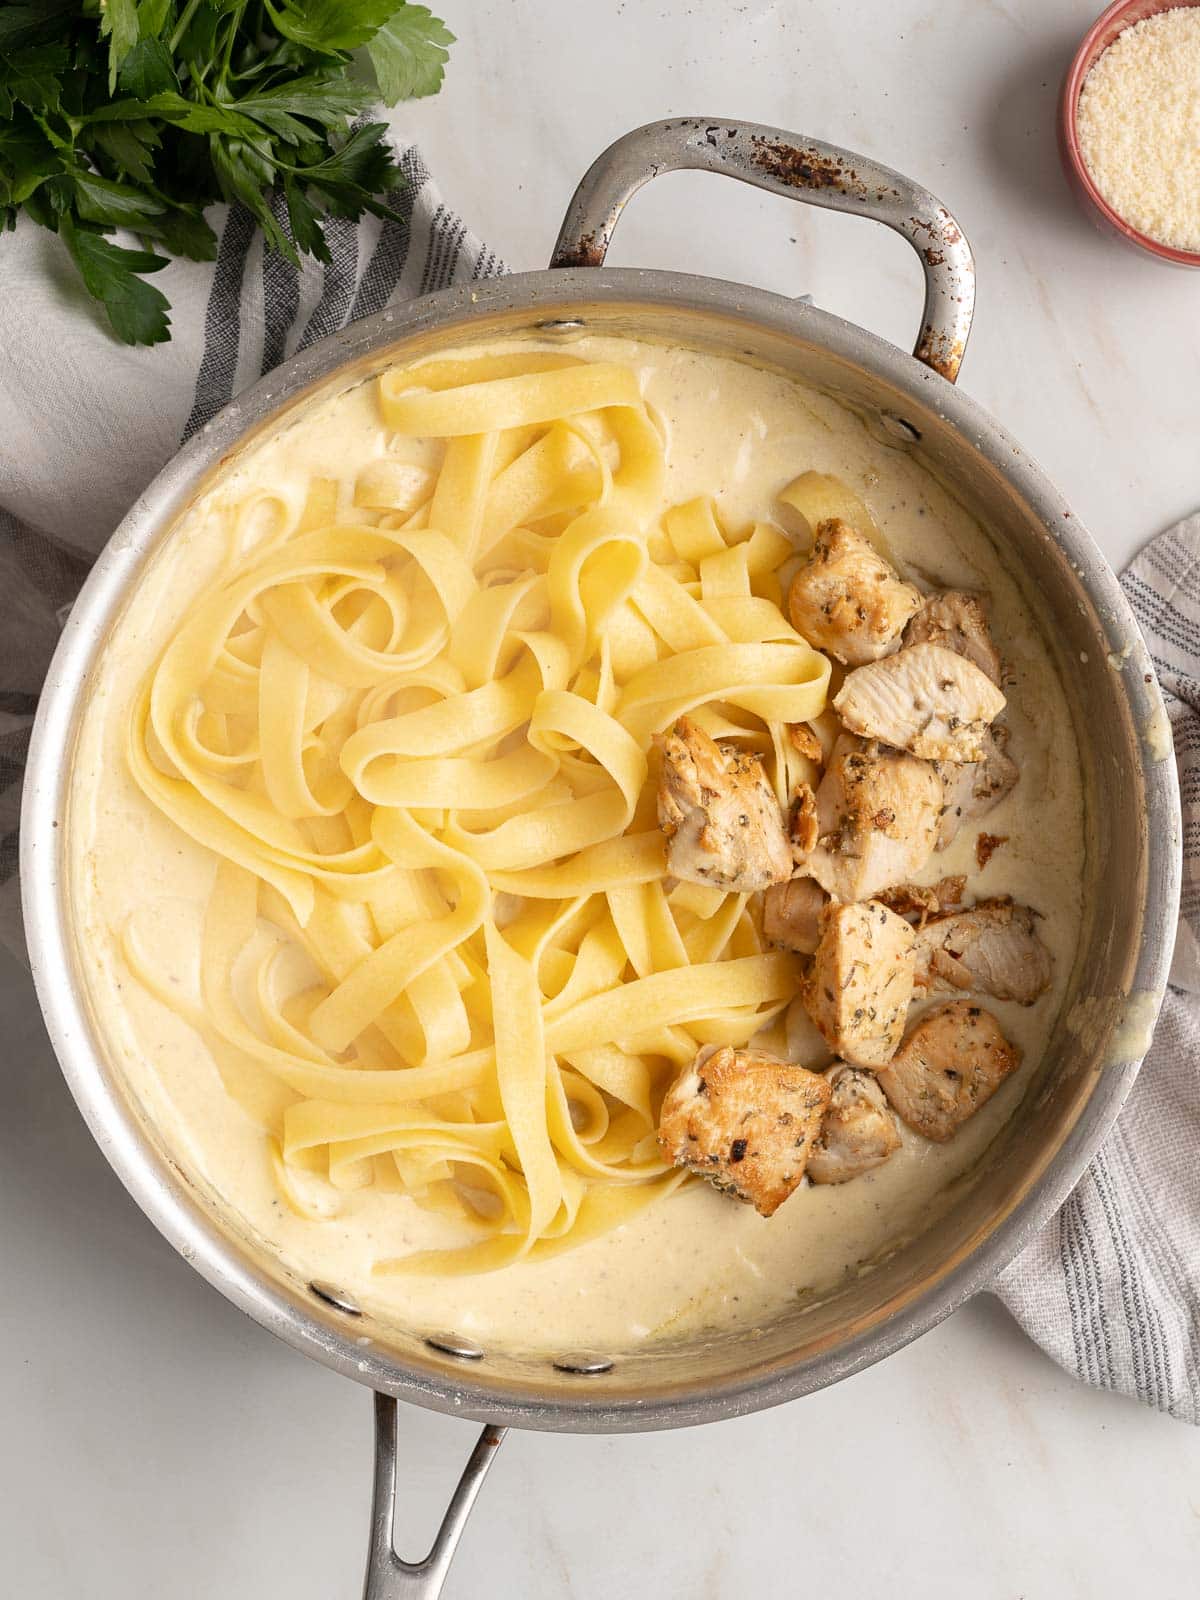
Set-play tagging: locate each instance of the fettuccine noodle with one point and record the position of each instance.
(413, 721)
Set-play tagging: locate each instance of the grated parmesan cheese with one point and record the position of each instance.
(1139, 126)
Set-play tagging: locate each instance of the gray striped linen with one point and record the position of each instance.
(1111, 1287)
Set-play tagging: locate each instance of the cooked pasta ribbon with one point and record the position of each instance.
(441, 954)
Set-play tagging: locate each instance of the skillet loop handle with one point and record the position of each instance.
(800, 169)
(388, 1577)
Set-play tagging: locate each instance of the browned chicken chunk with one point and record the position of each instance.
(951, 1063)
(746, 1121)
(973, 788)
(847, 599)
(926, 700)
(877, 819)
(917, 903)
(859, 1131)
(992, 949)
(858, 990)
(719, 813)
(792, 914)
(959, 621)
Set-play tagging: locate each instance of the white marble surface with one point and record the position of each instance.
(157, 1443)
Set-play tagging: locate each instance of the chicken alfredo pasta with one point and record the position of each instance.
(417, 743)
(470, 742)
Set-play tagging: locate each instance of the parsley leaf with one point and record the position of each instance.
(331, 24)
(353, 175)
(27, 159)
(147, 70)
(22, 25)
(32, 77)
(117, 205)
(305, 222)
(246, 174)
(136, 310)
(409, 54)
(185, 233)
(153, 16)
(128, 146)
(119, 25)
(329, 100)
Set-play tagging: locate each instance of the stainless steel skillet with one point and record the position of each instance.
(909, 403)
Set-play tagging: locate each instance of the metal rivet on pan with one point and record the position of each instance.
(583, 1365)
(898, 428)
(561, 325)
(338, 1298)
(453, 1344)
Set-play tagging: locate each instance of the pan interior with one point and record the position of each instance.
(811, 1342)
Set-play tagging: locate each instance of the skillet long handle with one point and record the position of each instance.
(388, 1577)
(801, 169)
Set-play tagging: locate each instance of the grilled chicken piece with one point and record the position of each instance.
(861, 981)
(859, 1131)
(719, 813)
(952, 1063)
(992, 949)
(973, 788)
(746, 1121)
(926, 699)
(877, 819)
(792, 914)
(847, 599)
(959, 621)
(916, 903)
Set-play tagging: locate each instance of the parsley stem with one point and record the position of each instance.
(181, 27)
(235, 23)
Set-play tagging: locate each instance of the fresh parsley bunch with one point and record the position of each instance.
(138, 114)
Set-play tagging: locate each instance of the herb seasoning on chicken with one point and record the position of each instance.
(925, 699)
(992, 949)
(847, 599)
(746, 1121)
(859, 1132)
(719, 814)
(877, 813)
(792, 914)
(951, 1063)
(970, 789)
(861, 981)
(959, 622)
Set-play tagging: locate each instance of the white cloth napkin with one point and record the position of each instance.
(1111, 1288)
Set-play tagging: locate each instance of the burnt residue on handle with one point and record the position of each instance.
(588, 251)
(942, 234)
(802, 167)
(937, 350)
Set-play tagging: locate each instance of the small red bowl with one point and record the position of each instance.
(1104, 30)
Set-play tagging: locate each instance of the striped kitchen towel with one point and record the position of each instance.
(1111, 1288)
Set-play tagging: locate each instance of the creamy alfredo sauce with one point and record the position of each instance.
(696, 1259)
